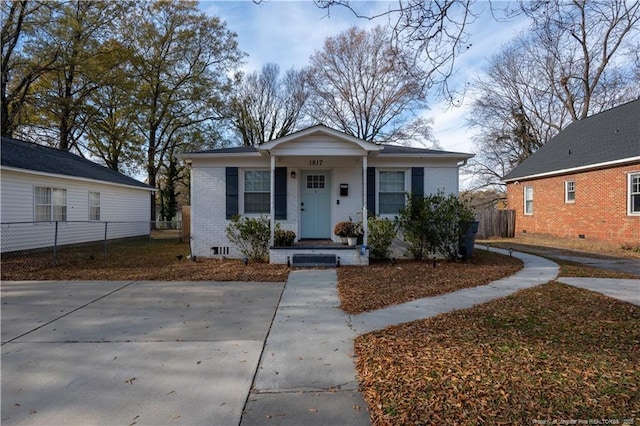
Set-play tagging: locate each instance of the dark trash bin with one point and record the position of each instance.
(466, 246)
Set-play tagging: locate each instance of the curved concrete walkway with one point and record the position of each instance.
(625, 290)
(306, 373)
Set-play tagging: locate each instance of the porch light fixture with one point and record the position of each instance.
(293, 174)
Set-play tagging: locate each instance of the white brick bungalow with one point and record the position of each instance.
(307, 182)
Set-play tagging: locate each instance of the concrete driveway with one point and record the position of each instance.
(143, 353)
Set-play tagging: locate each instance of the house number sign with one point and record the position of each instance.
(315, 162)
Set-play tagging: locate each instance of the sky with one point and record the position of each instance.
(288, 32)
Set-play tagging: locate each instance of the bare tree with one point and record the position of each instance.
(417, 131)
(577, 60)
(266, 106)
(434, 31)
(363, 85)
(584, 42)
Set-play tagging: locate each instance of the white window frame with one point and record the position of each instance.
(631, 193)
(244, 191)
(53, 215)
(527, 212)
(316, 183)
(567, 191)
(378, 192)
(93, 208)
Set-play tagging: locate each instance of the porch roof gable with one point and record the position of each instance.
(319, 139)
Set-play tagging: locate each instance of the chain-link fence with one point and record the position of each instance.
(31, 243)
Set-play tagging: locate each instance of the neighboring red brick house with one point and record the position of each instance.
(585, 182)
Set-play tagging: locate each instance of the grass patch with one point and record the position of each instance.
(553, 352)
(159, 260)
(588, 247)
(382, 284)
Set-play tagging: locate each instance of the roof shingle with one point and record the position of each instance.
(30, 156)
(609, 136)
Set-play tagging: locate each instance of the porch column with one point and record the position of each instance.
(365, 219)
(272, 201)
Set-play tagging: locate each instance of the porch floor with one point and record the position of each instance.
(318, 251)
(315, 245)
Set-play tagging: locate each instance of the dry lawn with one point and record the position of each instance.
(140, 260)
(384, 284)
(583, 247)
(551, 353)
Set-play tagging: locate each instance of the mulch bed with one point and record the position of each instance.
(553, 353)
(382, 284)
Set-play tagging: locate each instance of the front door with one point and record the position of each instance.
(315, 204)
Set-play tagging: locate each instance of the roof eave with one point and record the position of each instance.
(619, 162)
(83, 179)
(460, 156)
(191, 155)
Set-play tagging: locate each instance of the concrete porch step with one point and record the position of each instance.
(314, 260)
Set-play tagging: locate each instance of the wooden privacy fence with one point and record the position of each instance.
(496, 223)
(185, 233)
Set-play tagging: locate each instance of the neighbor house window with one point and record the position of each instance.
(528, 200)
(569, 191)
(257, 187)
(391, 194)
(94, 206)
(50, 204)
(634, 193)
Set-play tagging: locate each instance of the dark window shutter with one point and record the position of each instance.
(417, 181)
(281, 193)
(371, 190)
(231, 179)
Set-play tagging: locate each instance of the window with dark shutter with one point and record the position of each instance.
(281, 193)
(231, 194)
(417, 181)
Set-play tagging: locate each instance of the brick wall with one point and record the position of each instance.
(208, 215)
(599, 211)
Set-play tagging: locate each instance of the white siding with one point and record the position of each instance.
(208, 211)
(208, 187)
(441, 179)
(351, 205)
(293, 203)
(117, 204)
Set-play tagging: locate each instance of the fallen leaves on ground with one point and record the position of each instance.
(159, 261)
(553, 352)
(383, 284)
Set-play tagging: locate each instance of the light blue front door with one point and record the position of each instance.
(315, 204)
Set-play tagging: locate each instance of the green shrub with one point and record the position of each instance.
(382, 231)
(283, 238)
(251, 236)
(434, 224)
(416, 223)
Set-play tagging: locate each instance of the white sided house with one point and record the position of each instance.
(43, 188)
(307, 182)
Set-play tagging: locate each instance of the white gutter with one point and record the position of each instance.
(575, 169)
(83, 179)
